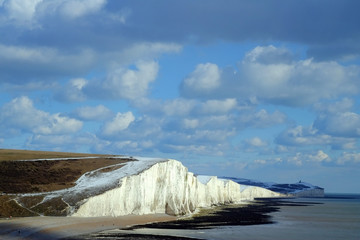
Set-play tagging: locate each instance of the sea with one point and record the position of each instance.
(336, 216)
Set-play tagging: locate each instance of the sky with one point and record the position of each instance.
(265, 90)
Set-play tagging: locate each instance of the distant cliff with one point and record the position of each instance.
(300, 189)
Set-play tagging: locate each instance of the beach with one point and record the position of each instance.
(67, 227)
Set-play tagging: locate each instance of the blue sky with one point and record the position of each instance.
(266, 90)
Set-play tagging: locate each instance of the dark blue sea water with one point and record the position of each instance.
(336, 216)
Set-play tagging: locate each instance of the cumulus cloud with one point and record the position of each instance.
(272, 75)
(21, 114)
(346, 124)
(72, 91)
(77, 8)
(28, 13)
(185, 107)
(256, 142)
(261, 118)
(218, 106)
(63, 142)
(203, 80)
(349, 157)
(320, 156)
(191, 123)
(269, 55)
(124, 83)
(173, 107)
(338, 119)
(314, 157)
(301, 136)
(343, 105)
(143, 50)
(20, 12)
(22, 63)
(96, 113)
(119, 123)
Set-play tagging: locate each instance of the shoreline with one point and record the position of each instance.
(256, 212)
(69, 227)
(150, 226)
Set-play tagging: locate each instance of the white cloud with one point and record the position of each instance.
(78, 142)
(204, 79)
(21, 12)
(315, 157)
(121, 16)
(97, 113)
(78, 8)
(347, 157)
(344, 105)
(320, 156)
(342, 124)
(128, 83)
(254, 145)
(143, 50)
(28, 13)
(173, 107)
(309, 136)
(227, 122)
(272, 75)
(21, 114)
(256, 142)
(190, 123)
(24, 63)
(269, 55)
(218, 106)
(260, 161)
(57, 124)
(297, 159)
(119, 123)
(261, 119)
(178, 107)
(73, 91)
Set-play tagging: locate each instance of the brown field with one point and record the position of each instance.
(48, 175)
(11, 154)
(39, 176)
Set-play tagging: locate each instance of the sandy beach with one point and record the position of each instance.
(65, 227)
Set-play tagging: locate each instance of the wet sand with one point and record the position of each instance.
(68, 227)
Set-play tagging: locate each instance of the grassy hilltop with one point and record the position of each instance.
(12, 154)
(19, 178)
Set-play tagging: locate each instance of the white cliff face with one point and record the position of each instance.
(166, 187)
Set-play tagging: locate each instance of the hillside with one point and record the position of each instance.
(26, 176)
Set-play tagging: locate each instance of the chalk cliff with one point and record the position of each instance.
(166, 187)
